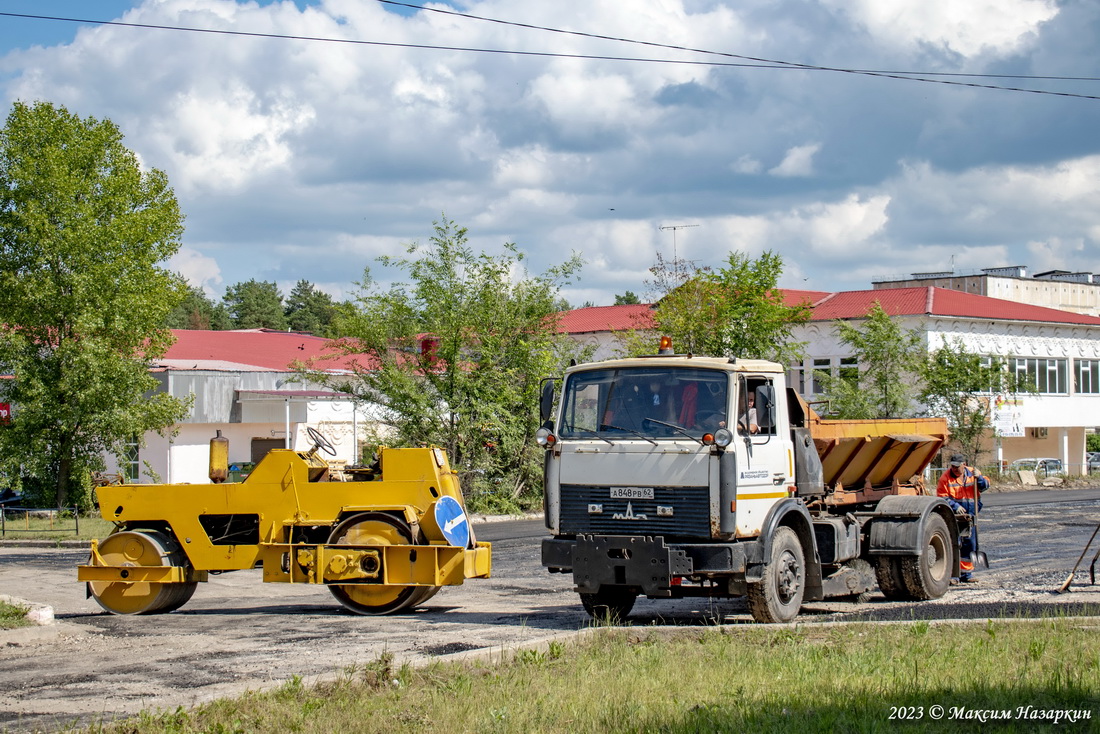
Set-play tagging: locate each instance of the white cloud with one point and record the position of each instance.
(198, 270)
(967, 27)
(799, 161)
(746, 164)
(847, 225)
(297, 159)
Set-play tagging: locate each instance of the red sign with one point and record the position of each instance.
(5, 413)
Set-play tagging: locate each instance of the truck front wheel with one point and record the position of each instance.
(778, 597)
(928, 575)
(610, 602)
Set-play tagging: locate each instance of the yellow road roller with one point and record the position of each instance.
(382, 538)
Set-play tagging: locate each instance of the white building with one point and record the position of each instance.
(1058, 352)
(244, 385)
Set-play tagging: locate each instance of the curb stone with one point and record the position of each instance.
(40, 614)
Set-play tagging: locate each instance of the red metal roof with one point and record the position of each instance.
(606, 318)
(931, 301)
(793, 297)
(275, 350)
(921, 301)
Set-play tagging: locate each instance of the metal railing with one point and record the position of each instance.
(54, 515)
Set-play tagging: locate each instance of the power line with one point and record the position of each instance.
(770, 62)
(757, 63)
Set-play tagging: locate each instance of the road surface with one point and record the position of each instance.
(238, 633)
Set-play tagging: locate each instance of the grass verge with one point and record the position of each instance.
(853, 678)
(13, 615)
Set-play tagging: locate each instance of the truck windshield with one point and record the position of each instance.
(645, 402)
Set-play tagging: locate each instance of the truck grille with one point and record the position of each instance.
(690, 512)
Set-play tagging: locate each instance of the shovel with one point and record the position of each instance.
(1069, 579)
(977, 557)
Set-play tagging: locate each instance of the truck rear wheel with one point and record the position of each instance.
(778, 597)
(890, 581)
(928, 575)
(611, 603)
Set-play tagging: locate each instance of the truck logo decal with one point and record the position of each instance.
(629, 514)
(758, 474)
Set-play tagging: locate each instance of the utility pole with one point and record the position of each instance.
(675, 227)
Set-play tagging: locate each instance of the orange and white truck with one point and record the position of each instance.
(673, 475)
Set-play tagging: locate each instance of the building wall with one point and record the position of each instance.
(185, 457)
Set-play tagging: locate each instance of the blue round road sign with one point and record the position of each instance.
(452, 521)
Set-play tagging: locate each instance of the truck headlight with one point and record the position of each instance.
(545, 437)
(723, 437)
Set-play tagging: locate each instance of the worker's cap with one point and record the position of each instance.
(957, 460)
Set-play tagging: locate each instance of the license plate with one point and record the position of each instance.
(632, 493)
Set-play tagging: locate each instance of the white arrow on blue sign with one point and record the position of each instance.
(452, 520)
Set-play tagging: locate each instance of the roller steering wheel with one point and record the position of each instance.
(320, 442)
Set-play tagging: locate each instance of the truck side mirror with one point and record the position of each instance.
(765, 407)
(546, 402)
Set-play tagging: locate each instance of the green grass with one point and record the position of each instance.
(13, 615)
(30, 526)
(745, 678)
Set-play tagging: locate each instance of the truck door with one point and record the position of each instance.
(762, 444)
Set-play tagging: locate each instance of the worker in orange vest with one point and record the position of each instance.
(962, 486)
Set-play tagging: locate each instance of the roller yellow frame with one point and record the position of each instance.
(386, 539)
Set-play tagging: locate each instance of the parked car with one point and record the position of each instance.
(1042, 467)
(1093, 461)
(10, 498)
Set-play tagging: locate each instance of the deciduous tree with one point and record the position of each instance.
(958, 385)
(733, 311)
(888, 378)
(455, 357)
(84, 232)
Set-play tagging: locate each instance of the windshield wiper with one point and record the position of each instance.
(594, 433)
(631, 430)
(673, 426)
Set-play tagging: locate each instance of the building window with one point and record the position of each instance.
(130, 466)
(1047, 376)
(1088, 375)
(820, 365)
(849, 370)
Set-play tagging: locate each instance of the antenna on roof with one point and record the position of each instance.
(675, 227)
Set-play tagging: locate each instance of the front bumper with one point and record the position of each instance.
(645, 562)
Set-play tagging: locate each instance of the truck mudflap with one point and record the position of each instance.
(897, 526)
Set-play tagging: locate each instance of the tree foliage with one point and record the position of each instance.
(83, 298)
(455, 357)
(734, 311)
(310, 310)
(626, 299)
(957, 386)
(196, 311)
(255, 305)
(888, 378)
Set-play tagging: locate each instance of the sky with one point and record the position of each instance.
(308, 159)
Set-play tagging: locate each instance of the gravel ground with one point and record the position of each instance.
(238, 633)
